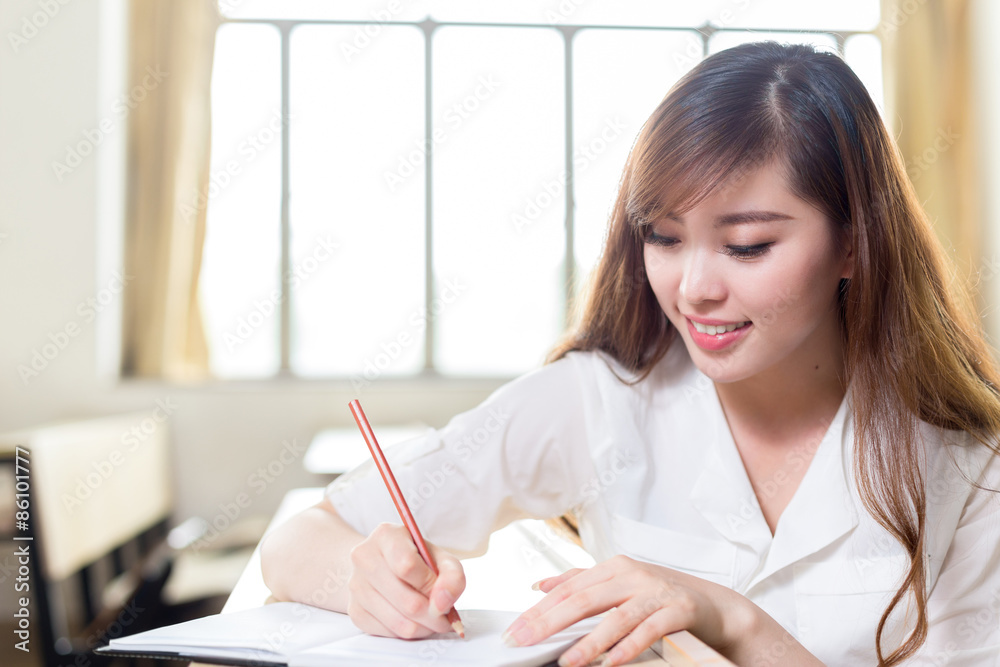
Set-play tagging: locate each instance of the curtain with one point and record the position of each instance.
(169, 138)
(927, 61)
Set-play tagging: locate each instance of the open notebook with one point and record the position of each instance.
(298, 635)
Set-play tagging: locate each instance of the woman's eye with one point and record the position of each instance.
(655, 239)
(737, 251)
(747, 251)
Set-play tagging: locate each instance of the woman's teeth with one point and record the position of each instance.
(712, 329)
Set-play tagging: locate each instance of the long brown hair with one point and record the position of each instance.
(914, 348)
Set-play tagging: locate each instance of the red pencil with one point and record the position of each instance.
(399, 500)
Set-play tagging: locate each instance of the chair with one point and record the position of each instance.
(100, 507)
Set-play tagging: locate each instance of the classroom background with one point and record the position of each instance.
(222, 221)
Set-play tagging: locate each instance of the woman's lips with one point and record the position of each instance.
(717, 341)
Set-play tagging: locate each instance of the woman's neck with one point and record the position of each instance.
(804, 388)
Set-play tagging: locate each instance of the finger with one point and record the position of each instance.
(546, 585)
(365, 622)
(396, 571)
(396, 612)
(410, 603)
(569, 583)
(450, 582)
(649, 631)
(629, 626)
(406, 563)
(571, 604)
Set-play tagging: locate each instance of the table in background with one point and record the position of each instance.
(334, 451)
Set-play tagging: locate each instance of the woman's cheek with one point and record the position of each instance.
(654, 270)
(661, 290)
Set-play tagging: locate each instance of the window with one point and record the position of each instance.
(389, 182)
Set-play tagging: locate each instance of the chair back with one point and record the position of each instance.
(100, 499)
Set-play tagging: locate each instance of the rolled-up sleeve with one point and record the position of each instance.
(964, 607)
(522, 453)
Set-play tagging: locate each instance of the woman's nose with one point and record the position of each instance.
(702, 279)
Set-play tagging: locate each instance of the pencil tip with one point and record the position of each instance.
(459, 628)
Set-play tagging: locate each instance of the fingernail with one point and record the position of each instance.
(570, 658)
(508, 636)
(537, 586)
(440, 603)
(523, 636)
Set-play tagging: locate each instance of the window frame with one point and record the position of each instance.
(570, 279)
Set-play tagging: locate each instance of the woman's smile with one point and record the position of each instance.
(717, 337)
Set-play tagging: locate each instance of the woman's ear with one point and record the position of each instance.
(848, 264)
(848, 270)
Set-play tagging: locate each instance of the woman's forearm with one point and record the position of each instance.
(763, 642)
(308, 558)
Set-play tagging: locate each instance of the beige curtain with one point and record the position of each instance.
(169, 132)
(927, 62)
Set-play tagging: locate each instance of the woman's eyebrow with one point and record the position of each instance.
(742, 217)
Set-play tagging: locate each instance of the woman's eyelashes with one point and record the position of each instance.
(652, 238)
(747, 251)
(737, 251)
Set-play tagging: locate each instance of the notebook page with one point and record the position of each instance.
(277, 629)
(481, 646)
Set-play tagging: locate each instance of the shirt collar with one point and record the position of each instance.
(821, 510)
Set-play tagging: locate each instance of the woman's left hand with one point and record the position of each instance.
(647, 602)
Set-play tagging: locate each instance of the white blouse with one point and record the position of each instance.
(651, 471)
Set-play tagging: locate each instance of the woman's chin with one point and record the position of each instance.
(721, 368)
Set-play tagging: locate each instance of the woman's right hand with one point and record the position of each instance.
(394, 593)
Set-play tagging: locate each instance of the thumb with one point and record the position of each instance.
(450, 582)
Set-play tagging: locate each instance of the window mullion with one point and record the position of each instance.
(569, 263)
(286, 252)
(841, 39)
(430, 331)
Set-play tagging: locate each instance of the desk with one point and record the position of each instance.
(519, 540)
(334, 451)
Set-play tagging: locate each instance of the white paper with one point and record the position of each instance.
(270, 633)
(306, 636)
(481, 646)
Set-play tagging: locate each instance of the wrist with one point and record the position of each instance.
(743, 623)
(752, 636)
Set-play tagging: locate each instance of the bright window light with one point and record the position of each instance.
(429, 145)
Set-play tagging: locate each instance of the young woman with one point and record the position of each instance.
(776, 422)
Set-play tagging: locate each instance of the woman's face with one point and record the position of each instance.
(749, 278)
